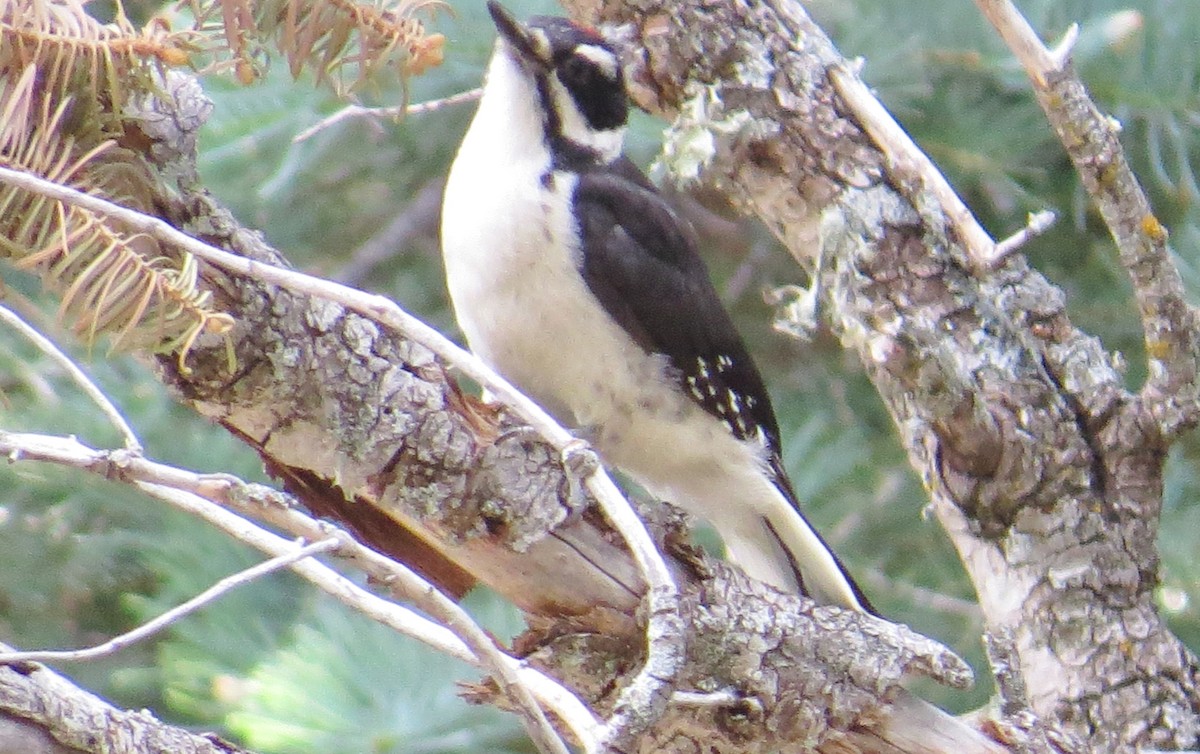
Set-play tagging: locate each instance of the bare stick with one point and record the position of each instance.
(175, 614)
(1091, 139)
(909, 162)
(383, 113)
(664, 655)
(533, 718)
(202, 495)
(921, 596)
(12, 319)
(1037, 224)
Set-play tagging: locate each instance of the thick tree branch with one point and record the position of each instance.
(852, 659)
(364, 425)
(196, 494)
(1172, 392)
(1045, 472)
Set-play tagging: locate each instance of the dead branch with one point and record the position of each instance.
(1171, 395)
(202, 495)
(41, 707)
(1045, 472)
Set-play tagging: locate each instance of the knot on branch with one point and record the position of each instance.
(512, 493)
(802, 672)
(972, 440)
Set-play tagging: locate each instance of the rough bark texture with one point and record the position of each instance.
(809, 677)
(367, 427)
(43, 713)
(1045, 471)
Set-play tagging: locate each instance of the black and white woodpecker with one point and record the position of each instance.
(573, 278)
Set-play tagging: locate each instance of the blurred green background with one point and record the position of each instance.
(278, 667)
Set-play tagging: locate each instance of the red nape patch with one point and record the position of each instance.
(588, 31)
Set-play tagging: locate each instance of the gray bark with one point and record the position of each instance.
(43, 713)
(1044, 470)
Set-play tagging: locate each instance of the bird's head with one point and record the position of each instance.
(577, 78)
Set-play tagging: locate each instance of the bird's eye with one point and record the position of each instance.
(590, 64)
(577, 72)
(592, 76)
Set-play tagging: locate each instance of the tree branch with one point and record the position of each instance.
(1042, 468)
(1172, 392)
(797, 646)
(35, 702)
(196, 494)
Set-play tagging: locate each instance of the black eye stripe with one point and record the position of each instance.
(585, 67)
(579, 72)
(577, 65)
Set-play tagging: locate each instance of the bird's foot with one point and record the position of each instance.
(579, 462)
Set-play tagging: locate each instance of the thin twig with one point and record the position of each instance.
(1035, 225)
(534, 719)
(922, 597)
(44, 344)
(388, 113)
(203, 496)
(1169, 324)
(664, 655)
(175, 614)
(62, 718)
(719, 699)
(908, 161)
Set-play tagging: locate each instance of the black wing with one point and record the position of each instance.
(640, 261)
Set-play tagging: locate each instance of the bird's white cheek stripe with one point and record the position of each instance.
(575, 128)
(604, 60)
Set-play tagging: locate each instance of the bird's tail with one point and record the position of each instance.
(815, 570)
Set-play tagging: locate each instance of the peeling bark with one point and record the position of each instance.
(1043, 469)
(1045, 472)
(369, 428)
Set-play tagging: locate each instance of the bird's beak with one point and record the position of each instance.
(529, 48)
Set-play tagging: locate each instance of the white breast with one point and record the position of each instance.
(517, 290)
(525, 309)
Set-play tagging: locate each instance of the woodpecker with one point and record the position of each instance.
(572, 277)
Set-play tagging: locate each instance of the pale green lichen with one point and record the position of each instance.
(691, 142)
